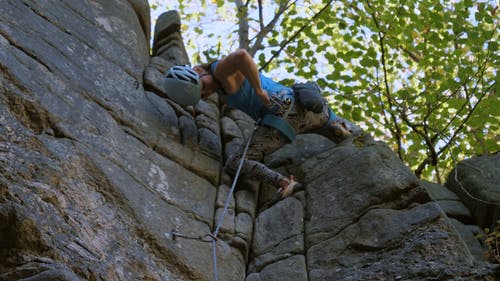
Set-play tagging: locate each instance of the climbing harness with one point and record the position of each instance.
(281, 106)
(212, 237)
(280, 124)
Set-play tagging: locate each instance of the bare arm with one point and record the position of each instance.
(233, 69)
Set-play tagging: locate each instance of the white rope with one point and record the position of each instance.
(212, 237)
(226, 205)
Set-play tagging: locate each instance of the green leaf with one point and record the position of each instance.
(346, 107)
(356, 114)
(273, 42)
(342, 25)
(367, 62)
(454, 61)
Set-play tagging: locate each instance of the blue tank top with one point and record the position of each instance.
(246, 100)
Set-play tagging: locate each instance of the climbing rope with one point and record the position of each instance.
(212, 237)
(226, 205)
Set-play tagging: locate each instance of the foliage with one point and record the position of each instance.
(492, 241)
(420, 75)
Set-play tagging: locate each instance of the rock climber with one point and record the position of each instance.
(282, 111)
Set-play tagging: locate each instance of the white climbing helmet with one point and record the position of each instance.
(183, 85)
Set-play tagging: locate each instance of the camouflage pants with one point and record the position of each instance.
(267, 140)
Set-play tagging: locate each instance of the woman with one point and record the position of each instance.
(238, 81)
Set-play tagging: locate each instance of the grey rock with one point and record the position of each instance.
(470, 239)
(154, 78)
(166, 120)
(302, 148)
(168, 42)
(40, 271)
(182, 192)
(244, 122)
(253, 277)
(246, 127)
(208, 108)
(226, 178)
(351, 187)
(53, 275)
(226, 222)
(409, 241)
(160, 64)
(189, 131)
(222, 197)
(142, 10)
(455, 209)
(291, 269)
(209, 143)
(229, 129)
(244, 226)
(246, 202)
(203, 121)
(282, 252)
(233, 146)
(203, 165)
(238, 115)
(153, 81)
(438, 192)
(124, 28)
(251, 185)
(478, 177)
(270, 233)
(166, 24)
(240, 244)
(105, 192)
(476, 230)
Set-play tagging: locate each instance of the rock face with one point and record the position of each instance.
(102, 177)
(366, 217)
(477, 182)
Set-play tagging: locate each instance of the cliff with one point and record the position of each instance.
(98, 169)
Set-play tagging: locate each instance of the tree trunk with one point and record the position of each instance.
(242, 24)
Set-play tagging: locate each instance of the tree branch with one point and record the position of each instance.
(430, 142)
(296, 34)
(381, 103)
(242, 24)
(480, 72)
(264, 30)
(398, 133)
(465, 120)
(422, 166)
(261, 17)
(416, 57)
